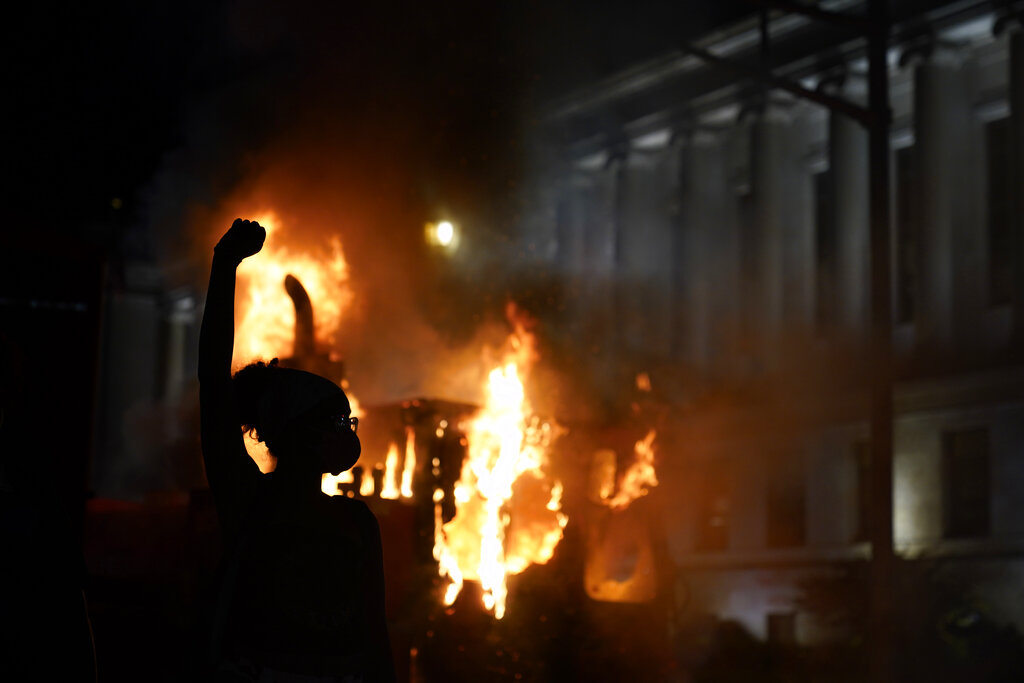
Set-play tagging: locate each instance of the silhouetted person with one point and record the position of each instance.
(303, 593)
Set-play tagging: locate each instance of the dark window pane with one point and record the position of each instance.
(787, 509)
(966, 479)
(1001, 240)
(714, 508)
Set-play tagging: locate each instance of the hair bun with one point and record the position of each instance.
(250, 384)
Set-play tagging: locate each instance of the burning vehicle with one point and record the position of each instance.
(473, 502)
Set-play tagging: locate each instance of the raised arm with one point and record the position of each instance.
(228, 467)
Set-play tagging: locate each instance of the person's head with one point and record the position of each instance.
(304, 419)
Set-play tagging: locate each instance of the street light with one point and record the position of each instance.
(445, 233)
(442, 234)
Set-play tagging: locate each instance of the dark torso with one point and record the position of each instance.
(303, 579)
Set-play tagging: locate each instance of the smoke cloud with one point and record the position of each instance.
(361, 125)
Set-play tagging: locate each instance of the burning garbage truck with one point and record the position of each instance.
(516, 547)
(518, 544)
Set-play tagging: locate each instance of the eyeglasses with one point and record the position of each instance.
(346, 422)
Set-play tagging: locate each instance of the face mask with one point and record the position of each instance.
(337, 451)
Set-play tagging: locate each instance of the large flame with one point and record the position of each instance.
(389, 489)
(409, 468)
(507, 509)
(265, 319)
(366, 484)
(264, 327)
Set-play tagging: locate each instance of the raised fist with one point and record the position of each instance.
(243, 239)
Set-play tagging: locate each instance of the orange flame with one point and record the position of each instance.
(639, 477)
(409, 467)
(266, 320)
(504, 520)
(389, 489)
(265, 324)
(329, 483)
(366, 485)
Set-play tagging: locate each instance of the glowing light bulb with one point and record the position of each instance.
(445, 233)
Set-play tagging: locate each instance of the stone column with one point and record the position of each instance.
(181, 316)
(707, 264)
(570, 219)
(762, 239)
(783, 296)
(645, 252)
(848, 164)
(599, 189)
(570, 214)
(797, 220)
(950, 245)
(1016, 82)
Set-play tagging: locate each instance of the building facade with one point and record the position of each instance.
(715, 232)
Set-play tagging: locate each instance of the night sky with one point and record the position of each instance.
(103, 93)
(127, 121)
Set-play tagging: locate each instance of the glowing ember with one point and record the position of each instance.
(643, 382)
(507, 509)
(639, 477)
(389, 489)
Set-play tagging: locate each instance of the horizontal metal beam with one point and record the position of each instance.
(850, 22)
(862, 115)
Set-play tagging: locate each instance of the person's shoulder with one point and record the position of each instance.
(356, 509)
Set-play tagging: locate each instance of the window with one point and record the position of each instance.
(825, 250)
(907, 233)
(1001, 241)
(714, 506)
(787, 508)
(965, 470)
